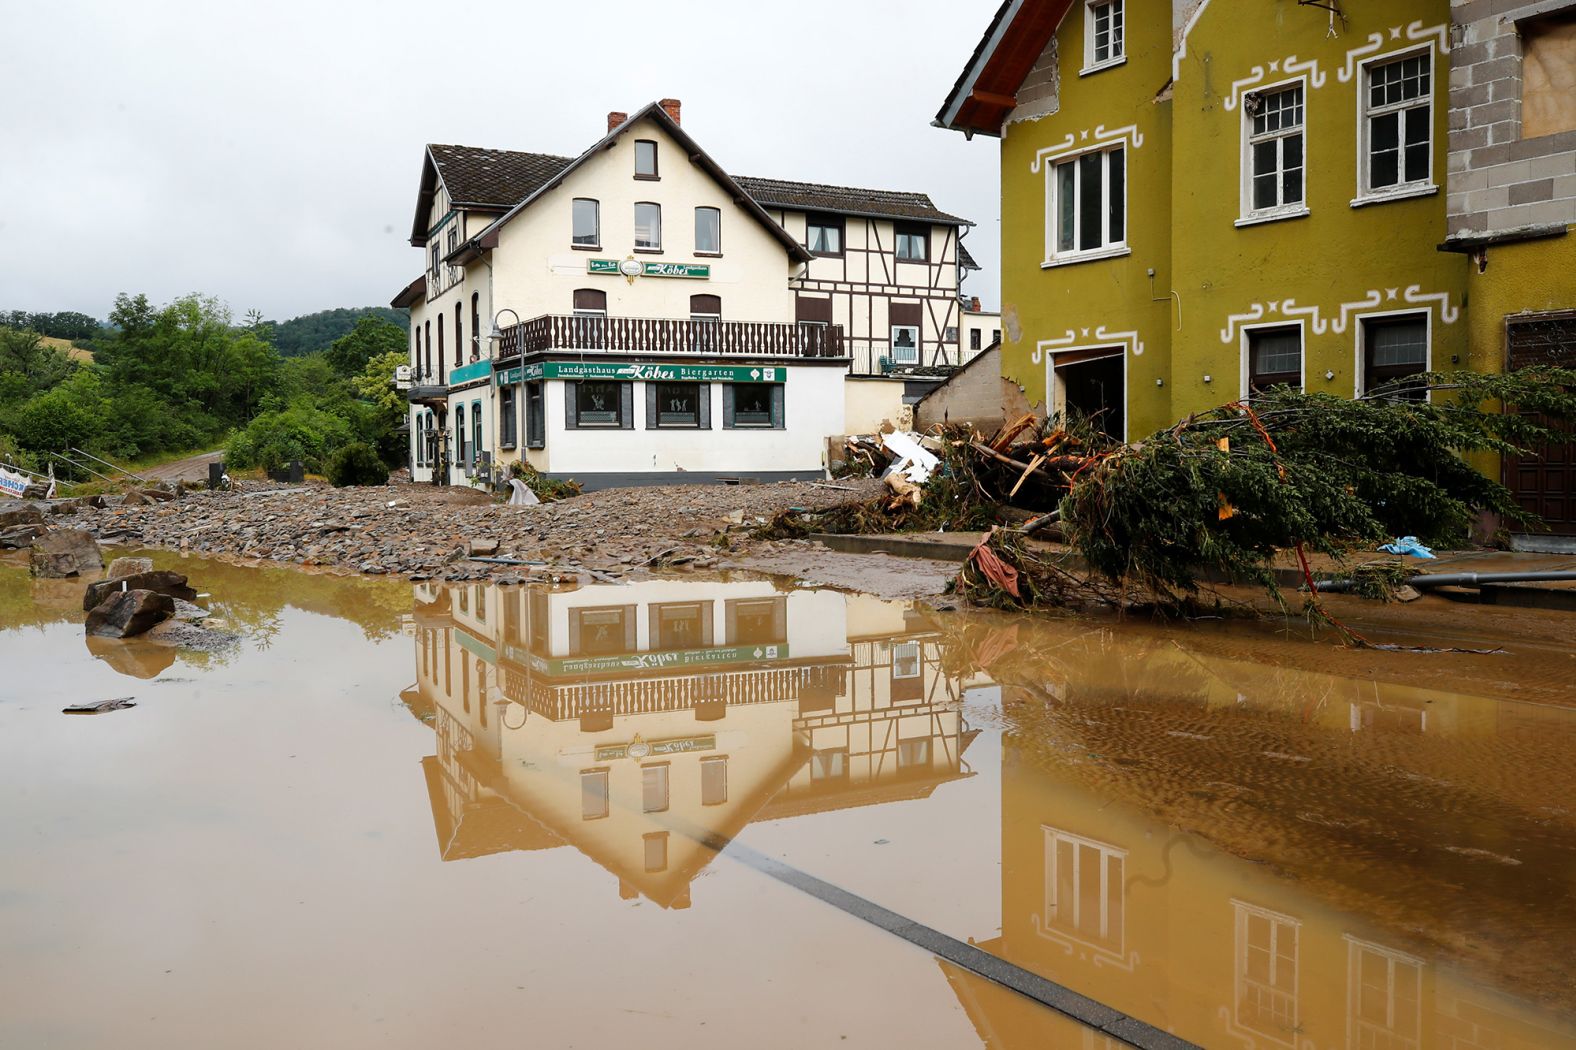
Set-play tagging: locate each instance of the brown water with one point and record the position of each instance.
(394, 816)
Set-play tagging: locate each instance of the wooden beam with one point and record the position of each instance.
(992, 98)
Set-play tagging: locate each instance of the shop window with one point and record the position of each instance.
(593, 794)
(654, 788)
(1397, 126)
(535, 416)
(477, 442)
(824, 235)
(645, 159)
(1273, 165)
(587, 223)
(677, 406)
(1393, 349)
(752, 406)
(598, 404)
(708, 231)
(1274, 358)
(506, 417)
(713, 781)
(913, 242)
(461, 452)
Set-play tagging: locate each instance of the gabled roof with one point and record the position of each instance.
(489, 237)
(966, 258)
(986, 91)
(481, 179)
(846, 200)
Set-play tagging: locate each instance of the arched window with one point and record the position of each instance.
(429, 349)
(443, 365)
(705, 307)
(476, 324)
(590, 301)
(415, 357)
(459, 336)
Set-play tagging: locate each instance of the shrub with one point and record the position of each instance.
(356, 464)
(301, 432)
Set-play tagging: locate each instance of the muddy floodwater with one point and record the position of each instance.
(684, 813)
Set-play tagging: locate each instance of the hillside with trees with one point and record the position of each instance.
(187, 377)
(310, 333)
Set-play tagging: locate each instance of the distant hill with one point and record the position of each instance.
(312, 332)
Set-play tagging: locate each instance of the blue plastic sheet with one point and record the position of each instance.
(1407, 545)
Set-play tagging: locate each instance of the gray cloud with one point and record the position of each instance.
(269, 154)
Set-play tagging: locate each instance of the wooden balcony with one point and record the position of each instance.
(651, 335)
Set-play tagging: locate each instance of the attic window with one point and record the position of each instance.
(645, 159)
(1105, 34)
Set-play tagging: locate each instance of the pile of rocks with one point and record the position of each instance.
(428, 533)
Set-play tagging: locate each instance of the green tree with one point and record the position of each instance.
(370, 338)
(40, 366)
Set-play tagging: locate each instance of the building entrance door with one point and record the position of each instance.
(1096, 390)
(1544, 483)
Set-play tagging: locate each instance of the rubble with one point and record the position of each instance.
(429, 533)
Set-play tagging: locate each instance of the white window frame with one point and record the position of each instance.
(1246, 348)
(1360, 341)
(1280, 925)
(1252, 216)
(1110, 250)
(1402, 190)
(905, 328)
(1118, 53)
(1395, 960)
(1115, 349)
(1048, 927)
(650, 247)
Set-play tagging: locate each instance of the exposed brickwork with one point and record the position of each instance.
(1498, 180)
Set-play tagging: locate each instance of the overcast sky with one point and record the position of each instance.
(269, 154)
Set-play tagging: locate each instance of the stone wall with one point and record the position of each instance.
(1499, 180)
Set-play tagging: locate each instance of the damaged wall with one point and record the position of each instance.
(977, 394)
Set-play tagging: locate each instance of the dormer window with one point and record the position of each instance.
(645, 159)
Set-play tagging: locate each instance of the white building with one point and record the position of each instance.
(569, 302)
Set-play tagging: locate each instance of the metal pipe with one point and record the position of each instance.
(107, 463)
(1460, 579)
(82, 466)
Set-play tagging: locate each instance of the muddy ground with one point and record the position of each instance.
(431, 533)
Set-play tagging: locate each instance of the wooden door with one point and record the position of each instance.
(1545, 482)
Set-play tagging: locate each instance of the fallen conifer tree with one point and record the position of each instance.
(1221, 493)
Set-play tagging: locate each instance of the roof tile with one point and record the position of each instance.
(493, 178)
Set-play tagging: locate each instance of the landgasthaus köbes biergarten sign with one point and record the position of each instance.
(643, 372)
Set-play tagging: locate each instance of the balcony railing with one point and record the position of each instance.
(651, 335)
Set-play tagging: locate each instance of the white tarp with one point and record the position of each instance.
(913, 460)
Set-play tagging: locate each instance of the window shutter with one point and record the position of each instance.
(704, 407)
(777, 406)
(626, 406)
(651, 406)
(571, 395)
(727, 405)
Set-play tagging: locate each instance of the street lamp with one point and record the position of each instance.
(495, 337)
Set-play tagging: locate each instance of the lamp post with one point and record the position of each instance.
(495, 338)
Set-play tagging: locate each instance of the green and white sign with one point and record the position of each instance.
(469, 373)
(733, 654)
(639, 749)
(623, 370)
(637, 268)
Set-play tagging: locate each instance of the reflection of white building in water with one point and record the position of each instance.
(645, 724)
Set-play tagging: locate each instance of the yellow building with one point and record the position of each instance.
(1210, 197)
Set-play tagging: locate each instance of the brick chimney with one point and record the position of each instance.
(671, 107)
(616, 118)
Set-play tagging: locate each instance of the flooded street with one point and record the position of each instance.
(401, 815)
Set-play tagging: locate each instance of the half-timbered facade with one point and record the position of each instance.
(598, 317)
(885, 265)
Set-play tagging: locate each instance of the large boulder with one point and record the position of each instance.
(66, 552)
(16, 537)
(146, 497)
(20, 514)
(162, 581)
(121, 567)
(125, 614)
